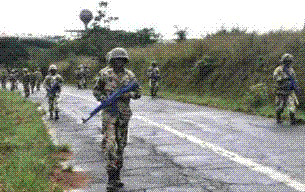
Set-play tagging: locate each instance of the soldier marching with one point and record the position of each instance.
(53, 97)
(154, 77)
(115, 122)
(286, 87)
(26, 82)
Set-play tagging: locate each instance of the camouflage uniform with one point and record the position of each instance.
(38, 76)
(33, 81)
(4, 75)
(285, 96)
(154, 76)
(26, 82)
(53, 98)
(115, 123)
(13, 79)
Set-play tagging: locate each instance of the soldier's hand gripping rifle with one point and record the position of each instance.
(294, 84)
(53, 89)
(113, 98)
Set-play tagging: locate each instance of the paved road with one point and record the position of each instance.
(174, 146)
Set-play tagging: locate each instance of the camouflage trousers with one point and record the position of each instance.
(33, 85)
(115, 131)
(154, 84)
(38, 85)
(26, 89)
(53, 103)
(283, 101)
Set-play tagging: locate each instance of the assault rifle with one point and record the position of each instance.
(113, 98)
(294, 85)
(53, 89)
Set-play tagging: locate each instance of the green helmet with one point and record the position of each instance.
(286, 58)
(108, 57)
(52, 67)
(154, 63)
(118, 53)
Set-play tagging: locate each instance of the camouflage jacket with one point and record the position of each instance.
(50, 79)
(26, 79)
(38, 75)
(283, 82)
(12, 77)
(109, 82)
(153, 73)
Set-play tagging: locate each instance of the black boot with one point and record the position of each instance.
(119, 184)
(292, 118)
(56, 115)
(278, 118)
(111, 185)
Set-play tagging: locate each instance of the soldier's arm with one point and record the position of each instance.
(136, 94)
(45, 83)
(277, 75)
(98, 89)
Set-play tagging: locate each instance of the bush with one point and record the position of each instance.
(257, 97)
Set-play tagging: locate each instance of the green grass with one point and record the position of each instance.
(222, 103)
(25, 145)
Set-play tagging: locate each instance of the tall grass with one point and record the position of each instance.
(25, 146)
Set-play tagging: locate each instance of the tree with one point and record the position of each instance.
(147, 36)
(181, 33)
(102, 16)
(12, 52)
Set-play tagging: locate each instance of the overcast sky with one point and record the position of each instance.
(202, 17)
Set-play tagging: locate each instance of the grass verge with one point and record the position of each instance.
(26, 147)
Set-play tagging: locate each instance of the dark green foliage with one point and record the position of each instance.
(12, 51)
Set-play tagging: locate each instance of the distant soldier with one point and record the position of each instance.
(13, 79)
(4, 76)
(154, 77)
(39, 79)
(33, 81)
(286, 82)
(115, 123)
(26, 82)
(81, 76)
(52, 79)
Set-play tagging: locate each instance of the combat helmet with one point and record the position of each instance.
(154, 63)
(118, 53)
(286, 58)
(52, 67)
(25, 70)
(108, 57)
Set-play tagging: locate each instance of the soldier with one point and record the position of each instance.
(33, 81)
(52, 78)
(38, 76)
(26, 82)
(285, 76)
(13, 79)
(86, 75)
(4, 76)
(115, 123)
(80, 73)
(154, 76)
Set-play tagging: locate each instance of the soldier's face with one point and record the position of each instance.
(118, 63)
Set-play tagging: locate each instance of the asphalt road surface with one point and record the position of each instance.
(174, 146)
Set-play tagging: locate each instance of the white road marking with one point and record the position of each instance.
(202, 126)
(276, 175)
(280, 177)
